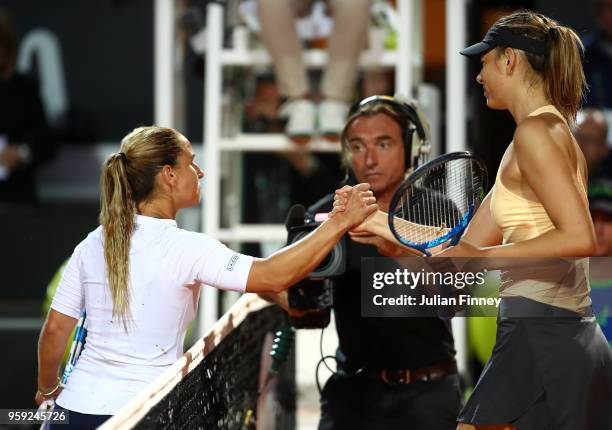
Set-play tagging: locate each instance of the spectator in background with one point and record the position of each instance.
(591, 132)
(600, 205)
(286, 177)
(24, 135)
(305, 118)
(598, 57)
(261, 111)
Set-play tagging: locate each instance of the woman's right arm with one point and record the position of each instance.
(293, 263)
(481, 231)
(53, 341)
(67, 306)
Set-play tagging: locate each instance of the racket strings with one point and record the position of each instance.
(438, 201)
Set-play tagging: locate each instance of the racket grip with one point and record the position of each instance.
(46, 406)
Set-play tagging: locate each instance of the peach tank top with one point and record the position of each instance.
(562, 283)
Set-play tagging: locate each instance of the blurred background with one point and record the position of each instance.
(76, 76)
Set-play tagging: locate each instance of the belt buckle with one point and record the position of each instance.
(400, 376)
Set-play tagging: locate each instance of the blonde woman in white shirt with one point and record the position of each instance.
(138, 275)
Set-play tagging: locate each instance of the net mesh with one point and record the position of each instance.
(215, 385)
(438, 201)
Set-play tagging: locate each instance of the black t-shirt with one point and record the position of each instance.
(380, 343)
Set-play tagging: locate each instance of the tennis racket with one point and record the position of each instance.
(77, 347)
(437, 201)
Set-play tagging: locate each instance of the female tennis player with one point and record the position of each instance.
(138, 276)
(552, 372)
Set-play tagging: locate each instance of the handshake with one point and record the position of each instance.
(367, 224)
(354, 205)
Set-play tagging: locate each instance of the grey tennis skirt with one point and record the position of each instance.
(550, 369)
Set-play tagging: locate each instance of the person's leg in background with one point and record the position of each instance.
(348, 39)
(279, 35)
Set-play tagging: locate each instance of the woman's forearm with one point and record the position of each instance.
(291, 264)
(554, 243)
(378, 224)
(51, 347)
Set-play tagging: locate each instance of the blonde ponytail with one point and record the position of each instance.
(117, 218)
(563, 74)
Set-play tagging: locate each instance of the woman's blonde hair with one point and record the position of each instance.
(561, 68)
(128, 178)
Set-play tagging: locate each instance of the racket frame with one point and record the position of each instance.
(455, 233)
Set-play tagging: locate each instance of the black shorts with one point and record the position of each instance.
(550, 369)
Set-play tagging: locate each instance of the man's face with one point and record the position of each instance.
(377, 152)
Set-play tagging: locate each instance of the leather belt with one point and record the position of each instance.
(406, 376)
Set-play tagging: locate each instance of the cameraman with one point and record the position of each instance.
(392, 372)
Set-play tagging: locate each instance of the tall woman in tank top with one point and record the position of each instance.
(552, 372)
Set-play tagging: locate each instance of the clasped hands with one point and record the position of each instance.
(365, 232)
(358, 205)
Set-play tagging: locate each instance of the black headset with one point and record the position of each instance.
(416, 145)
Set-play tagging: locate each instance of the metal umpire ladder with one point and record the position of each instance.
(404, 59)
(217, 58)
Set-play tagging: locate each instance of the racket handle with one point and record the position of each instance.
(46, 406)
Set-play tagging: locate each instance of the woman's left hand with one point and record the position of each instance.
(340, 200)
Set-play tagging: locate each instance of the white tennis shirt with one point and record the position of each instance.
(167, 267)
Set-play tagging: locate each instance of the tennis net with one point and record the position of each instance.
(216, 384)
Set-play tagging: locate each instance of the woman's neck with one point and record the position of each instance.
(527, 100)
(157, 209)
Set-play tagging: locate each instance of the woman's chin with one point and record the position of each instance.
(195, 202)
(492, 105)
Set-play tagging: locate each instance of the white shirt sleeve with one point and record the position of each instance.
(200, 258)
(69, 298)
